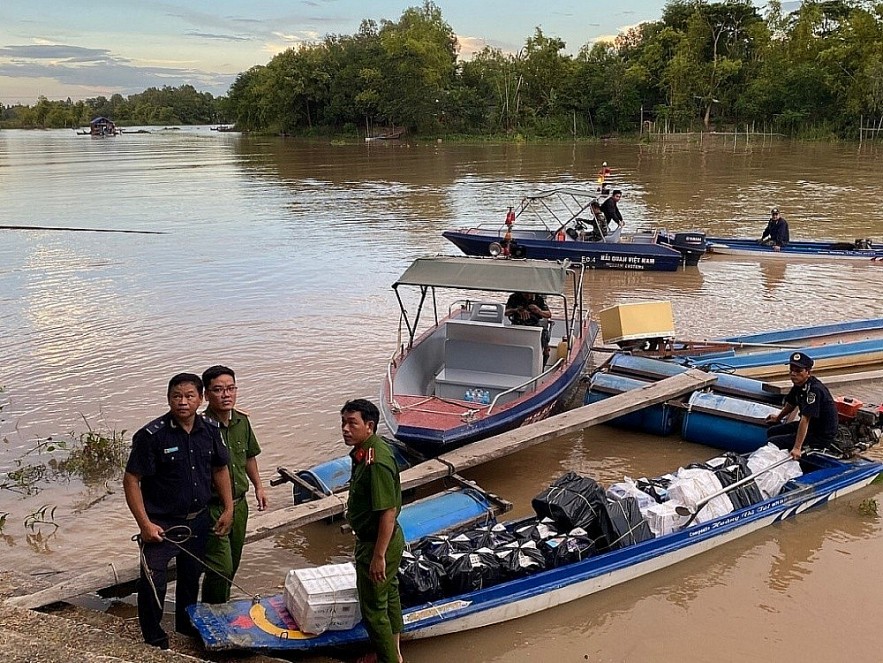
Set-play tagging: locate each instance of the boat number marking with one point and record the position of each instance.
(434, 611)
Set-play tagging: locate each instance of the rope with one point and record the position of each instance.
(177, 536)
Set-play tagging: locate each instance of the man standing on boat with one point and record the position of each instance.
(173, 464)
(817, 426)
(776, 231)
(223, 553)
(375, 500)
(610, 207)
(527, 308)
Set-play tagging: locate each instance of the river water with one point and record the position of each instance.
(276, 257)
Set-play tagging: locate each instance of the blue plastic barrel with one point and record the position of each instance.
(444, 511)
(723, 422)
(656, 419)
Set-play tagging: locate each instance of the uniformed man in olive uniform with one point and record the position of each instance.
(224, 553)
(173, 464)
(375, 500)
(817, 426)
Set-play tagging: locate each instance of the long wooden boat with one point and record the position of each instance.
(730, 416)
(559, 224)
(836, 346)
(741, 247)
(472, 374)
(266, 625)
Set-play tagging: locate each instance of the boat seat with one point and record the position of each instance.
(487, 312)
(497, 368)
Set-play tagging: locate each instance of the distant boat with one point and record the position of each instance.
(390, 135)
(100, 127)
(224, 128)
(859, 250)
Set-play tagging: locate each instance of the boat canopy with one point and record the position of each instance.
(491, 274)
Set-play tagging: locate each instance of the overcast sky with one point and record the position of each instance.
(85, 48)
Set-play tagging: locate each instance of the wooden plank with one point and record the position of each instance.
(264, 524)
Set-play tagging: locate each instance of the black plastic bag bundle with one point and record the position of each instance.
(470, 571)
(734, 468)
(482, 537)
(420, 579)
(520, 558)
(572, 547)
(657, 488)
(626, 524)
(536, 530)
(440, 547)
(572, 501)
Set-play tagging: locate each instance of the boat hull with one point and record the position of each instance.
(594, 255)
(432, 440)
(266, 624)
(749, 248)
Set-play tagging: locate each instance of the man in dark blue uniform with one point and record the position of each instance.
(168, 484)
(817, 426)
(530, 309)
(776, 231)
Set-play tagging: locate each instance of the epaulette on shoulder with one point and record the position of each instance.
(244, 413)
(211, 422)
(155, 426)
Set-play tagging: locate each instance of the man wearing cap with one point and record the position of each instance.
(776, 231)
(817, 426)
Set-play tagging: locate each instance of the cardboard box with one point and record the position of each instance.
(641, 320)
(323, 598)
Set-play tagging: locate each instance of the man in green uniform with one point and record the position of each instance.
(223, 553)
(375, 500)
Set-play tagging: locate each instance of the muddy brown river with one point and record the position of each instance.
(276, 257)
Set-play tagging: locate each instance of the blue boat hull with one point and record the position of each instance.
(266, 625)
(595, 255)
(747, 247)
(431, 442)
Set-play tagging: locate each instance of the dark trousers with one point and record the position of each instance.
(157, 557)
(784, 436)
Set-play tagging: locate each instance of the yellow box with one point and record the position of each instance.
(629, 322)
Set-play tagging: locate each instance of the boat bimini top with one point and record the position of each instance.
(509, 275)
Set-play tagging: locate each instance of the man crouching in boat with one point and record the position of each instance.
(527, 308)
(375, 500)
(817, 426)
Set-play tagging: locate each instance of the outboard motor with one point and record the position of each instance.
(692, 245)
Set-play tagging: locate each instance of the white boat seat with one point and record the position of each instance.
(488, 312)
(493, 381)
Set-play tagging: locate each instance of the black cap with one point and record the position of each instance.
(801, 360)
(775, 210)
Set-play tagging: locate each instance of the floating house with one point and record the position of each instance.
(101, 127)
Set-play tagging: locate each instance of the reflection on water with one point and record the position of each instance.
(278, 259)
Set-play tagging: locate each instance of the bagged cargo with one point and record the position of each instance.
(520, 558)
(626, 523)
(628, 488)
(489, 536)
(657, 487)
(572, 501)
(536, 530)
(468, 572)
(770, 483)
(323, 598)
(421, 579)
(730, 468)
(440, 547)
(574, 546)
(692, 485)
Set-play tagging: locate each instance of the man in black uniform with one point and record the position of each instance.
(776, 231)
(610, 207)
(526, 308)
(168, 484)
(817, 426)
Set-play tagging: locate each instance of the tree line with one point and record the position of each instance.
(157, 106)
(813, 72)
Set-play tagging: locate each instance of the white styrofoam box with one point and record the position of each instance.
(662, 518)
(323, 598)
(628, 488)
